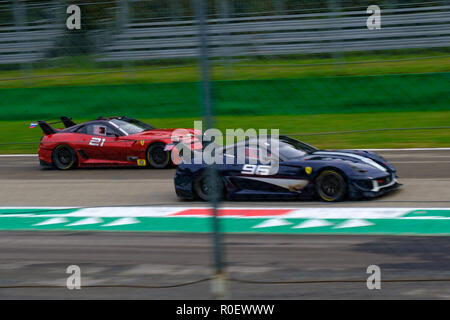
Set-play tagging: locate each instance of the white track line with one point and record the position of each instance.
(409, 149)
(38, 208)
(17, 155)
(400, 149)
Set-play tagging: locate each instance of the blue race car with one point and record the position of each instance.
(303, 172)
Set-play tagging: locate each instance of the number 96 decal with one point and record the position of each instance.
(256, 169)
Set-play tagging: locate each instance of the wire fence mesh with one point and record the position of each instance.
(323, 70)
(277, 60)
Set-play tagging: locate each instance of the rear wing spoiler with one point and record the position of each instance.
(46, 128)
(67, 122)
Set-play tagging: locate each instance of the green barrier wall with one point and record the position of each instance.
(406, 92)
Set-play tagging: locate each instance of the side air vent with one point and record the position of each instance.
(83, 154)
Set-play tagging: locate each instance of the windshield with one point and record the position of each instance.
(131, 126)
(291, 148)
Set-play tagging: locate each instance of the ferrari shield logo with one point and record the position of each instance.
(308, 170)
(141, 162)
(142, 142)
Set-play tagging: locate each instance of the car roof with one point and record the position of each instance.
(76, 127)
(257, 138)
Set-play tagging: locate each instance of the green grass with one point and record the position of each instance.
(244, 69)
(294, 94)
(17, 132)
(352, 94)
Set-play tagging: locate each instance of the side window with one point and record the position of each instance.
(241, 153)
(82, 130)
(110, 132)
(97, 130)
(251, 153)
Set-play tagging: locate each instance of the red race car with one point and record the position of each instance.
(112, 141)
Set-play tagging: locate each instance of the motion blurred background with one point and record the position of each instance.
(308, 68)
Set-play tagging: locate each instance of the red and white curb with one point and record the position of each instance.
(294, 218)
(201, 212)
(272, 216)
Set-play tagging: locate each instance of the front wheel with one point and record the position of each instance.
(331, 186)
(156, 156)
(64, 157)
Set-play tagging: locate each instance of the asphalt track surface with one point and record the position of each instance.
(149, 259)
(425, 175)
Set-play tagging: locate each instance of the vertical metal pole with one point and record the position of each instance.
(20, 17)
(59, 16)
(175, 9)
(59, 13)
(122, 13)
(19, 12)
(334, 6)
(224, 13)
(279, 6)
(123, 18)
(218, 283)
(393, 4)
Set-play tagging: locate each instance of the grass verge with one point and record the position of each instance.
(406, 92)
(16, 137)
(80, 73)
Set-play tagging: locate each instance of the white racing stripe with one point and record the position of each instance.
(291, 184)
(351, 155)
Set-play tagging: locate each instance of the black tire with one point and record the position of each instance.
(64, 158)
(331, 186)
(156, 156)
(203, 188)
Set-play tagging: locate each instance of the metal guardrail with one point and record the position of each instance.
(22, 42)
(424, 27)
(416, 27)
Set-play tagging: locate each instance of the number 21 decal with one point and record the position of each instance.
(97, 142)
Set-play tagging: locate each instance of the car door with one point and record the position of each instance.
(248, 170)
(101, 142)
(257, 175)
(292, 170)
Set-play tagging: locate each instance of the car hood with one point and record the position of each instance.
(354, 156)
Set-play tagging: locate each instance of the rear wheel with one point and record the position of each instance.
(156, 156)
(206, 185)
(64, 157)
(331, 186)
